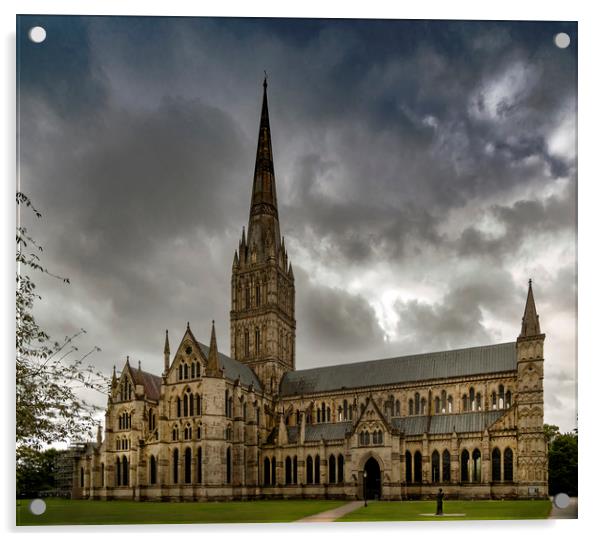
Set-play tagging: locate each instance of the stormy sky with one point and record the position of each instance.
(425, 171)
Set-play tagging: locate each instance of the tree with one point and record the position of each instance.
(36, 471)
(550, 432)
(50, 375)
(562, 464)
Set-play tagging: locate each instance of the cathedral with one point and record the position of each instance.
(249, 425)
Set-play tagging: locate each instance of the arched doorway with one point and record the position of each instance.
(372, 470)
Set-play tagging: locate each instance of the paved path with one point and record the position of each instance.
(568, 512)
(333, 514)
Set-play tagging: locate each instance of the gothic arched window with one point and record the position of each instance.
(435, 471)
(188, 465)
(309, 470)
(446, 466)
(508, 465)
(317, 469)
(332, 469)
(266, 472)
(273, 470)
(496, 465)
(408, 467)
(228, 466)
(199, 465)
(118, 472)
(295, 469)
(417, 467)
(476, 466)
(464, 459)
(153, 470)
(437, 404)
(288, 471)
(472, 399)
(175, 466)
(340, 469)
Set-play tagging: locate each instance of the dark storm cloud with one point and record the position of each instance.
(522, 220)
(345, 323)
(458, 319)
(397, 144)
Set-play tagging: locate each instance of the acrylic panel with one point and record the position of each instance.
(273, 270)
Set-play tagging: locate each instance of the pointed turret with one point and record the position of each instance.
(166, 352)
(213, 367)
(114, 378)
(530, 326)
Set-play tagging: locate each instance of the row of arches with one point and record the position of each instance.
(189, 404)
(190, 370)
(470, 466)
(336, 470)
(124, 421)
(187, 433)
(364, 437)
(125, 390)
(122, 444)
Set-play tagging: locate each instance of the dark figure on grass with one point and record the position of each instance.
(440, 497)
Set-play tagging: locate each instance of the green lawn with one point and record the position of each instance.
(125, 512)
(473, 510)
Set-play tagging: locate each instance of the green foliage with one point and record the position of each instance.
(550, 432)
(562, 464)
(50, 375)
(35, 471)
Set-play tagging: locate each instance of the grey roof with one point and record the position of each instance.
(425, 366)
(234, 369)
(417, 425)
(475, 421)
(150, 382)
(317, 432)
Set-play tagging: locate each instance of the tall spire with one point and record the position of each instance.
(263, 215)
(264, 185)
(530, 326)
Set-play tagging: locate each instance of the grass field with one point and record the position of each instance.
(473, 510)
(125, 512)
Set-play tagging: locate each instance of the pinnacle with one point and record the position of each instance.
(530, 323)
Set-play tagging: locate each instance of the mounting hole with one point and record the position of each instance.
(562, 40)
(37, 34)
(561, 500)
(37, 507)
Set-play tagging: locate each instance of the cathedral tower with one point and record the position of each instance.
(262, 316)
(532, 462)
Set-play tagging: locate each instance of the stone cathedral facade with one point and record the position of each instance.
(249, 425)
